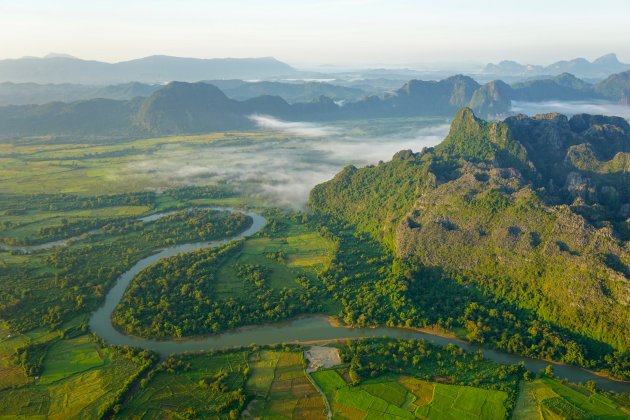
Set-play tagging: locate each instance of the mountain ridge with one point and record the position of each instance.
(601, 67)
(152, 69)
(209, 109)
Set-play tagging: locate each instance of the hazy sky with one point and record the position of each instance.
(307, 32)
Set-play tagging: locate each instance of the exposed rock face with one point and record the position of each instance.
(586, 154)
(493, 98)
(579, 186)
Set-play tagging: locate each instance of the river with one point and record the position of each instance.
(304, 329)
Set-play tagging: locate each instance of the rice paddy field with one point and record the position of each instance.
(182, 392)
(79, 379)
(281, 388)
(405, 397)
(548, 398)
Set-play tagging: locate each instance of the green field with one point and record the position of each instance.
(404, 397)
(180, 392)
(304, 252)
(10, 374)
(549, 398)
(44, 165)
(281, 389)
(31, 224)
(80, 378)
(68, 357)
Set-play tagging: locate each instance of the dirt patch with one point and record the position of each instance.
(322, 357)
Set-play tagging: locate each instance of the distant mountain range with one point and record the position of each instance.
(154, 69)
(188, 108)
(495, 98)
(580, 67)
(38, 94)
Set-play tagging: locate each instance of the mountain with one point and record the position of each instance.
(154, 69)
(512, 68)
(187, 108)
(290, 92)
(38, 94)
(191, 108)
(495, 98)
(616, 86)
(200, 107)
(509, 227)
(564, 87)
(417, 97)
(96, 117)
(597, 69)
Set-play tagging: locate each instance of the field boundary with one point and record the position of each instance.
(321, 392)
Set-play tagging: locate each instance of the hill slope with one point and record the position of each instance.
(511, 209)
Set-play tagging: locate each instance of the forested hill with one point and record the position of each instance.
(532, 212)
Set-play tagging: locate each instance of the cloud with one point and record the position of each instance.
(570, 108)
(281, 169)
(302, 129)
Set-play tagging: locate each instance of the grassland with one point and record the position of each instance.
(68, 357)
(299, 251)
(548, 398)
(281, 389)
(404, 397)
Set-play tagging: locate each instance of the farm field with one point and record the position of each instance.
(280, 387)
(394, 397)
(79, 379)
(549, 398)
(192, 386)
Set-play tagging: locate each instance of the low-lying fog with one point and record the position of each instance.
(288, 162)
(287, 159)
(570, 108)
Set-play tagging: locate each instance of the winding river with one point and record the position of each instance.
(305, 329)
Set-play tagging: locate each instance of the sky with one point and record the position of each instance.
(392, 33)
